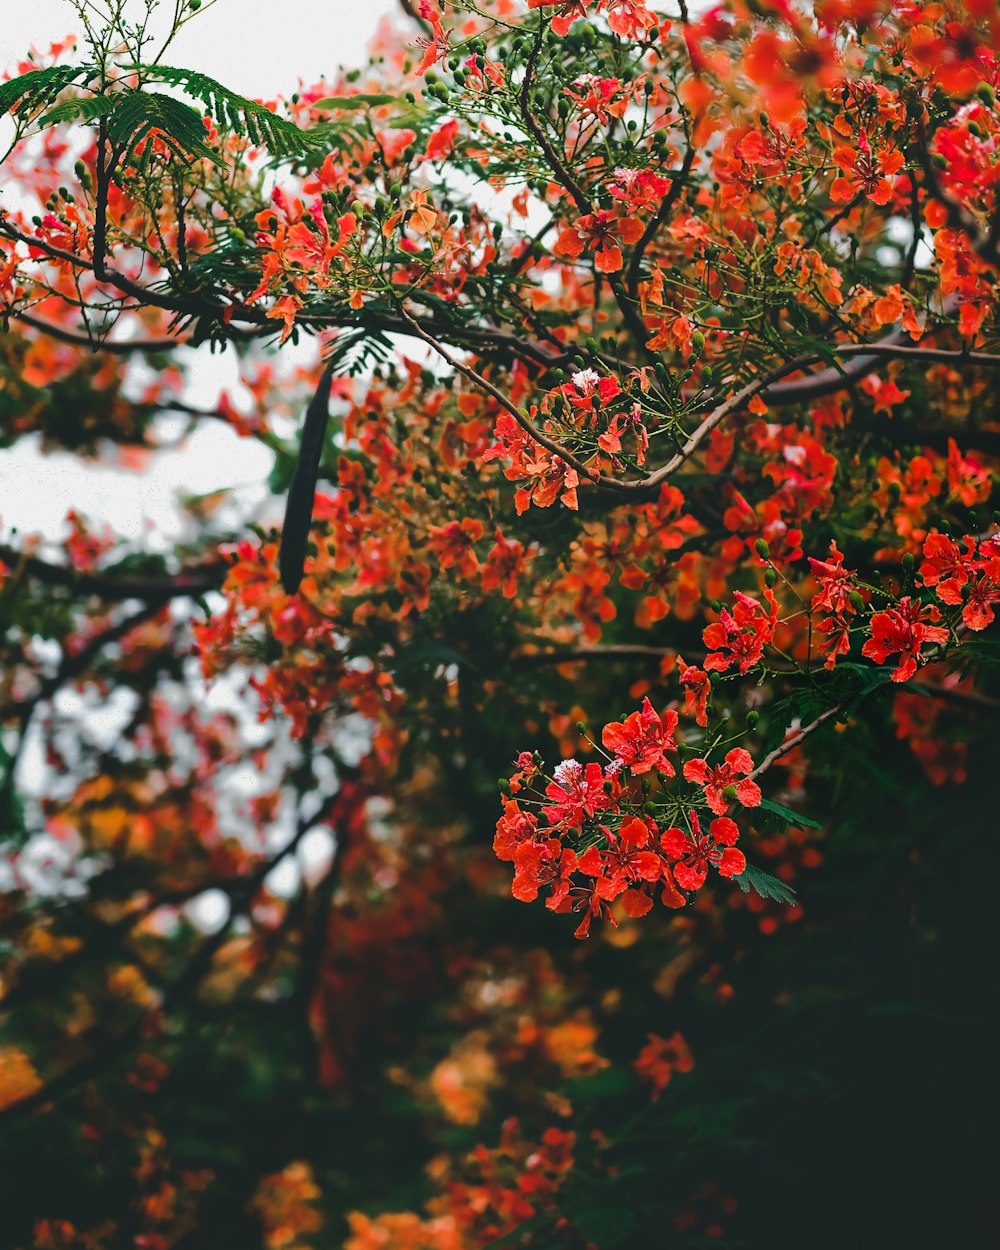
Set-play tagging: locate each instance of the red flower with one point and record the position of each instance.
(599, 231)
(903, 630)
(626, 859)
(577, 793)
(737, 764)
(697, 688)
(660, 1058)
(744, 632)
(694, 851)
(643, 739)
(537, 864)
(513, 828)
(503, 564)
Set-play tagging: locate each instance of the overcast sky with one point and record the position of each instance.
(259, 48)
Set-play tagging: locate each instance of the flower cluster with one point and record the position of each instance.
(590, 836)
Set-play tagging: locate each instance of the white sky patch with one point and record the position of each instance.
(257, 48)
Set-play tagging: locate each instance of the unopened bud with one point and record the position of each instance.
(729, 794)
(581, 727)
(770, 577)
(762, 549)
(753, 717)
(857, 600)
(503, 785)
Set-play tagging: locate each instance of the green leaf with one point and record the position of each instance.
(39, 87)
(765, 885)
(786, 813)
(232, 112)
(138, 113)
(82, 108)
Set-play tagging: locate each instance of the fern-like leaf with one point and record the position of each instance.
(765, 885)
(234, 112)
(80, 109)
(38, 88)
(178, 125)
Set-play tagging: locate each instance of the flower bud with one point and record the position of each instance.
(762, 549)
(857, 600)
(753, 718)
(503, 785)
(581, 727)
(729, 794)
(770, 577)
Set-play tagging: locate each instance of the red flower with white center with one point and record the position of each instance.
(902, 631)
(599, 232)
(577, 793)
(596, 96)
(643, 739)
(733, 771)
(584, 385)
(638, 189)
(692, 852)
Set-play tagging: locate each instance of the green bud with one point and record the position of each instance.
(194, 5)
(649, 807)
(753, 717)
(857, 600)
(729, 794)
(358, 208)
(985, 93)
(762, 549)
(697, 343)
(907, 561)
(581, 727)
(770, 577)
(503, 785)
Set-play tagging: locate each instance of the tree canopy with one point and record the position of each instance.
(550, 812)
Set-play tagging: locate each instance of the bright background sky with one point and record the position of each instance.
(256, 47)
